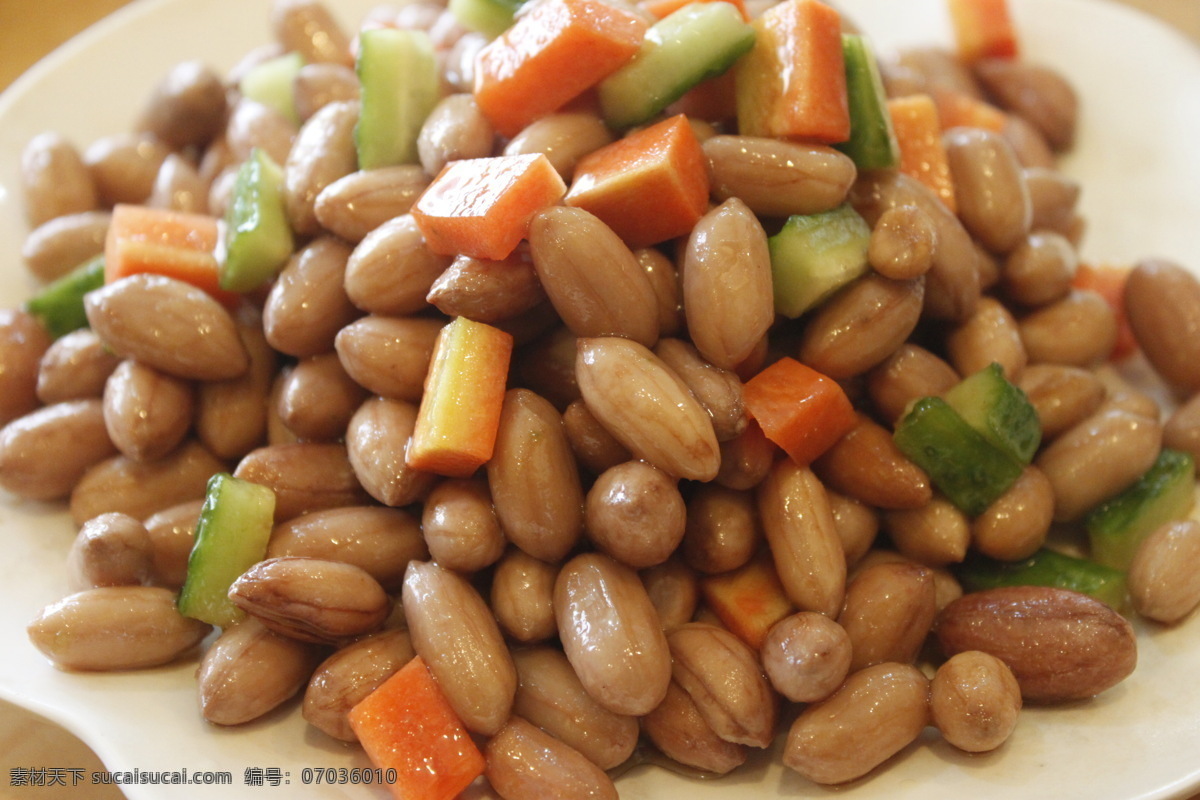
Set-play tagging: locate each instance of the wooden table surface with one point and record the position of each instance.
(29, 29)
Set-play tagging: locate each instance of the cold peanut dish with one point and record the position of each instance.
(540, 389)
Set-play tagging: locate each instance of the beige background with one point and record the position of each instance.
(28, 30)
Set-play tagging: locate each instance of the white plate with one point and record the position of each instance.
(1140, 164)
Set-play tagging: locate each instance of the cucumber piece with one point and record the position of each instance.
(1165, 492)
(872, 143)
(231, 536)
(999, 410)
(1046, 568)
(272, 83)
(690, 45)
(814, 255)
(59, 305)
(967, 468)
(399, 82)
(258, 235)
(489, 17)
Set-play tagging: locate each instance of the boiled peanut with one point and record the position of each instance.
(169, 325)
(115, 628)
(380, 541)
(551, 696)
(250, 670)
(457, 636)
(611, 634)
(875, 714)
(802, 536)
(1060, 645)
(534, 482)
(974, 700)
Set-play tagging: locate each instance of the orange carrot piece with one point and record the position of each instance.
(983, 29)
(456, 426)
(748, 601)
(1108, 281)
(664, 8)
(551, 54)
(172, 243)
(712, 100)
(481, 207)
(798, 408)
(792, 83)
(408, 726)
(919, 135)
(959, 110)
(649, 186)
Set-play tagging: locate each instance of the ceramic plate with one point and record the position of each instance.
(1139, 163)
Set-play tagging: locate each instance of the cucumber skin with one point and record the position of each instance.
(999, 410)
(1165, 492)
(259, 234)
(1047, 568)
(270, 83)
(639, 90)
(814, 255)
(59, 305)
(237, 515)
(489, 17)
(872, 143)
(398, 77)
(967, 468)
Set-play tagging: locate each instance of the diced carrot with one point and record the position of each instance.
(748, 601)
(408, 726)
(173, 243)
(649, 186)
(983, 29)
(1108, 281)
(712, 100)
(919, 135)
(664, 8)
(959, 110)
(456, 425)
(798, 408)
(551, 54)
(792, 83)
(481, 207)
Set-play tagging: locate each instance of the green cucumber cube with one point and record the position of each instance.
(1165, 492)
(814, 255)
(872, 143)
(489, 17)
(272, 83)
(258, 236)
(1046, 568)
(398, 76)
(998, 410)
(231, 536)
(964, 466)
(59, 305)
(699, 41)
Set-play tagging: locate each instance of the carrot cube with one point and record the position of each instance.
(748, 601)
(649, 186)
(481, 207)
(798, 408)
(408, 728)
(455, 431)
(983, 29)
(918, 130)
(792, 83)
(552, 54)
(177, 244)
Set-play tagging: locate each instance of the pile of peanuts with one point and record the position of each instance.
(558, 595)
